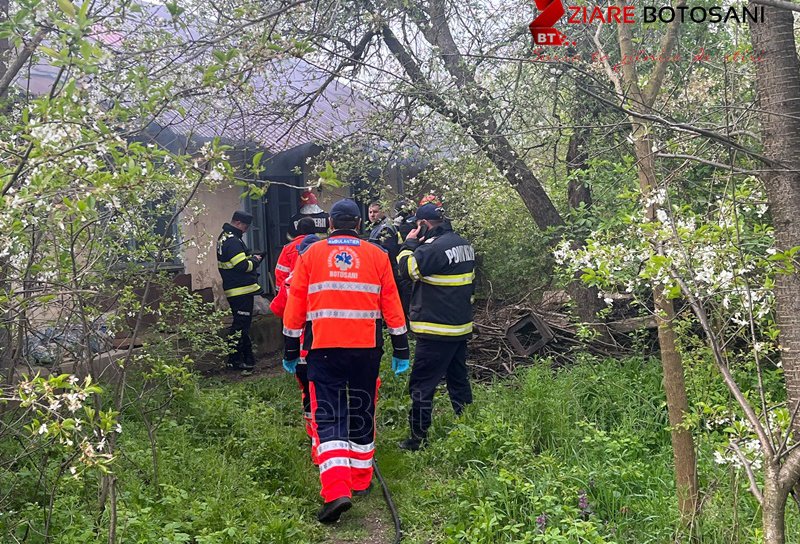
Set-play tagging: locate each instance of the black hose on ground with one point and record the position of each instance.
(387, 495)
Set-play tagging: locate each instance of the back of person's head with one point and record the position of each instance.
(242, 217)
(307, 241)
(345, 214)
(431, 212)
(306, 226)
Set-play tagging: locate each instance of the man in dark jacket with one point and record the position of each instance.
(441, 264)
(239, 272)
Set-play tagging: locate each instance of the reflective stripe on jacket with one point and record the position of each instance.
(236, 267)
(341, 289)
(286, 260)
(443, 271)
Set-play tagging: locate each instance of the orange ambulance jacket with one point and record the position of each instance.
(342, 287)
(286, 260)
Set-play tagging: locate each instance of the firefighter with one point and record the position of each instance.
(441, 264)
(239, 272)
(375, 216)
(278, 307)
(309, 208)
(342, 288)
(288, 254)
(384, 233)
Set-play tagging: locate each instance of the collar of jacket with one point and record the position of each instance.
(441, 229)
(344, 232)
(227, 227)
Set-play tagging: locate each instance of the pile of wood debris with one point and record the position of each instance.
(509, 334)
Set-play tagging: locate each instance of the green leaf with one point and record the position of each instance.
(174, 9)
(67, 7)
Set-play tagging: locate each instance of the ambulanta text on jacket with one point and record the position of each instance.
(442, 268)
(238, 269)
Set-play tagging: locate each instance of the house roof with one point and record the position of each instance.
(269, 119)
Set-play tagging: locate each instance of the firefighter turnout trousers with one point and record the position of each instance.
(434, 360)
(343, 383)
(242, 310)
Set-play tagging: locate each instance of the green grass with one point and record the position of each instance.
(234, 468)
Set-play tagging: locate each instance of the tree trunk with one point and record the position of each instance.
(5, 332)
(587, 303)
(677, 407)
(778, 86)
(5, 49)
(773, 506)
(480, 125)
(674, 382)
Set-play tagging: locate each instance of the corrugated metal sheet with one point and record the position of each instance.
(269, 119)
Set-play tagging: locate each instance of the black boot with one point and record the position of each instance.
(363, 492)
(234, 361)
(412, 444)
(332, 511)
(249, 361)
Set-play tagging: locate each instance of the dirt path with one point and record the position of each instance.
(267, 366)
(368, 522)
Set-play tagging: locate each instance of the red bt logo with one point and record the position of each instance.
(542, 27)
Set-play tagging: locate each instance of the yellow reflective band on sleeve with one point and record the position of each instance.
(440, 329)
(245, 290)
(249, 266)
(239, 257)
(227, 265)
(404, 253)
(449, 280)
(413, 268)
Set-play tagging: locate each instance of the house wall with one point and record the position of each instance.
(199, 234)
(199, 231)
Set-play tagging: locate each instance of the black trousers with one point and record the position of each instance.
(434, 360)
(242, 310)
(301, 373)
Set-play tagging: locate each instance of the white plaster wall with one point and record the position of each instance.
(199, 232)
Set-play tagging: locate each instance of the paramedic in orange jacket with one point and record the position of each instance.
(288, 255)
(342, 289)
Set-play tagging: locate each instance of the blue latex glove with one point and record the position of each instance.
(290, 366)
(400, 365)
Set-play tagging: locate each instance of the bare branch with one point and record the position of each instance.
(748, 469)
(708, 162)
(667, 44)
(780, 4)
(17, 64)
(684, 127)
